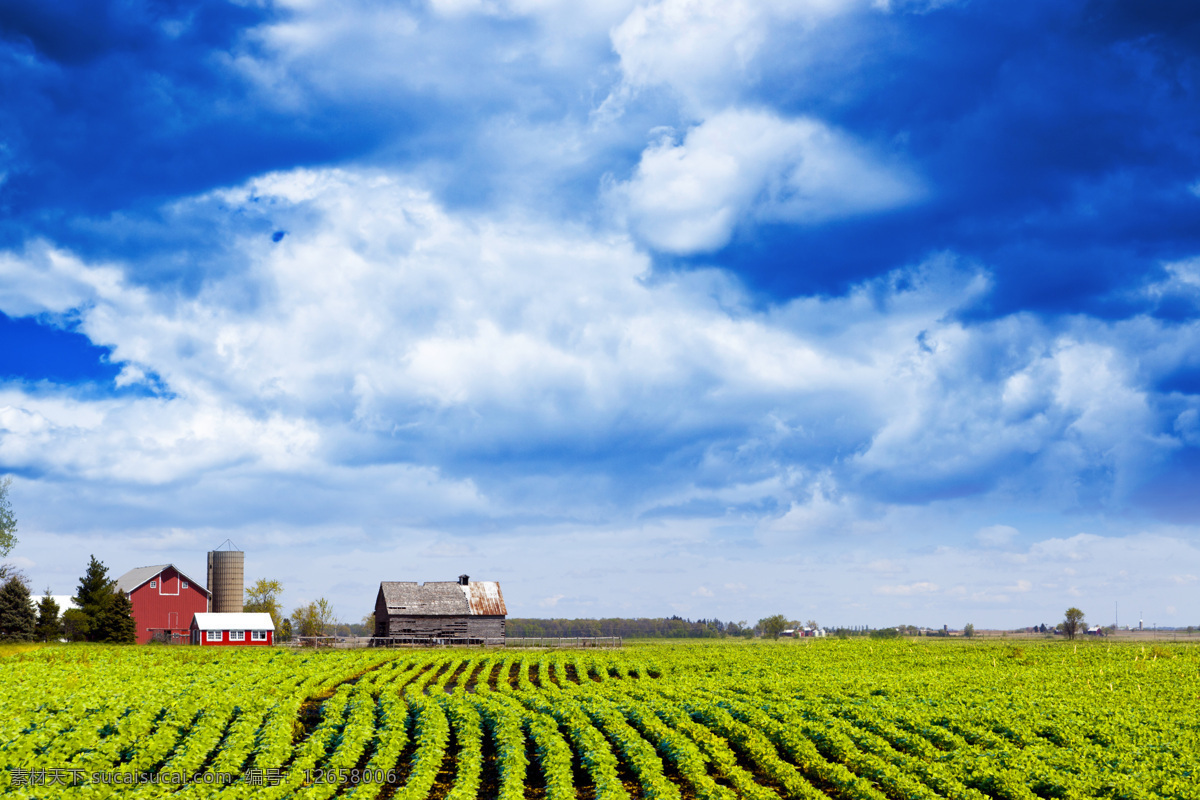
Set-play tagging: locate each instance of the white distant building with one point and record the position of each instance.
(64, 601)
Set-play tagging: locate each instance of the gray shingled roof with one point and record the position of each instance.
(443, 598)
(139, 575)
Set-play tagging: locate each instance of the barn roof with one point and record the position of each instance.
(230, 621)
(443, 598)
(139, 575)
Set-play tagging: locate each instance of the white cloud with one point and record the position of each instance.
(380, 315)
(996, 535)
(47, 280)
(908, 589)
(384, 326)
(689, 196)
(148, 440)
(705, 51)
(405, 370)
(911, 6)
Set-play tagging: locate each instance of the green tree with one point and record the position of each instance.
(49, 626)
(94, 596)
(313, 619)
(285, 631)
(263, 598)
(773, 625)
(115, 624)
(76, 625)
(1072, 622)
(968, 630)
(8, 522)
(17, 620)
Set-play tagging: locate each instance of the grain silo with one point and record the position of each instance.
(226, 569)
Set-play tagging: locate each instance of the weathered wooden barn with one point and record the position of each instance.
(462, 609)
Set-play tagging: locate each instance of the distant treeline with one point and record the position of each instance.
(643, 628)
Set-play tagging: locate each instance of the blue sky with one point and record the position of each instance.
(868, 312)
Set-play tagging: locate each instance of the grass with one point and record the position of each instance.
(15, 648)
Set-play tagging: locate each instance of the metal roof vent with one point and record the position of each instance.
(463, 580)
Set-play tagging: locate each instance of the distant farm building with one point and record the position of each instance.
(233, 629)
(65, 602)
(462, 609)
(164, 601)
(225, 570)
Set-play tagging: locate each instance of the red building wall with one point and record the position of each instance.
(225, 642)
(166, 605)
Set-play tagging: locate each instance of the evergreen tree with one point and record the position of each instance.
(115, 624)
(17, 620)
(76, 625)
(48, 624)
(94, 596)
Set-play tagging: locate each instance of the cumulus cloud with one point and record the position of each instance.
(385, 327)
(705, 51)
(47, 280)
(392, 368)
(688, 196)
(476, 334)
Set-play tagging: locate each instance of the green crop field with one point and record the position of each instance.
(809, 719)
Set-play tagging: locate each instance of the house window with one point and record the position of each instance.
(258, 636)
(153, 584)
(183, 584)
(237, 636)
(213, 636)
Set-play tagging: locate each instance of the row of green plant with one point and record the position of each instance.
(868, 720)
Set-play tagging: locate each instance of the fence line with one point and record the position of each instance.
(352, 642)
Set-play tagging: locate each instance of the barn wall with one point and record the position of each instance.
(485, 627)
(432, 627)
(381, 615)
(166, 605)
(444, 627)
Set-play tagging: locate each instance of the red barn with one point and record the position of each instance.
(164, 601)
(229, 629)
